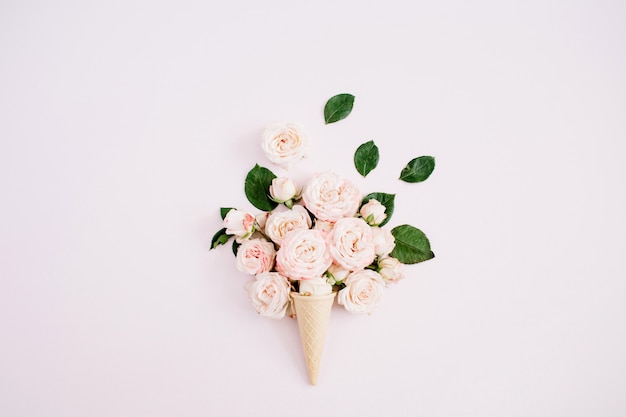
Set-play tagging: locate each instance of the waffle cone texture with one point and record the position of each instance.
(313, 313)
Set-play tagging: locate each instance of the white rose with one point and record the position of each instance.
(280, 223)
(373, 212)
(350, 243)
(255, 256)
(239, 223)
(269, 294)
(283, 189)
(284, 143)
(391, 269)
(384, 242)
(303, 255)
(330, 197)
(315, 286)
(363, 291)
(338, 273)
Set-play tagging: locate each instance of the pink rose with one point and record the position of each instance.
(284, 143)
(269, 294)
(239, 223)
(283, 190)
(363, 291)
(303, 255)
(384, 242)
(315, 286)
(350, 243)
(255, 256)
(373, 212)
(323, 227)
(337, 273)
(391, 269)
(282, 222)
(330, 197)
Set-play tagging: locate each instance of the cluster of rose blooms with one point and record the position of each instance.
(320, 238)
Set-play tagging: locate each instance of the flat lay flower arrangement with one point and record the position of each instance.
(309, 242)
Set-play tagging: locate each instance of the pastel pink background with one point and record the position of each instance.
(125, 125)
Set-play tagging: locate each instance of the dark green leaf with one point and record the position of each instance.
(386, 200)
(224, 211)
(338, 107)
(257, 188)
(418, 170)
(412, 245)
(366, 158)
(236, 246)
(219, 238)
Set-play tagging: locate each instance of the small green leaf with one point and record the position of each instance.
(386, 200)
(219, 238)
(366, 158)
(338, 107)
(257, 188)
(412, 245)
(418, 170)
(224, 211)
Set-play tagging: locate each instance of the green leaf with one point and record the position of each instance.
(219, 238)
(412, 245)
(224, 211)
(366, 158)
(386, 200)
(338, 107)
(418, 170)
(257, 188)
(236, 246)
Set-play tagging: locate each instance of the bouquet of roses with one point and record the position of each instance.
(312, 241)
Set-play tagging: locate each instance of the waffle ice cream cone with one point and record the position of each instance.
(313, 313)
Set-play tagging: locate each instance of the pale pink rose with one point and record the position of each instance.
(239, 223)
(350, 243)
(282, 222)
(363, 291)
(283, 189)
(323, 227)
(330, 197)
(337, 273)
(260, 220)
(255, 256)
(284, 143)
(384, 242)
(391, 269)
(373, 212)
(269, 294)
(303, 255)
(315, 286)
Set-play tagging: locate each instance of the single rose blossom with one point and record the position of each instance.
(260, 220)
(279, 223)
(363, 291)
(350, 243)
(284, 189)
(303, 254)
(391, 269)
(239, 223)
(323, 226)
(255, 256)
(284, 143)
(269, 293)
(315, 286)
(330, 197)
(384, 242)
(373, 212)
(337, 273)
